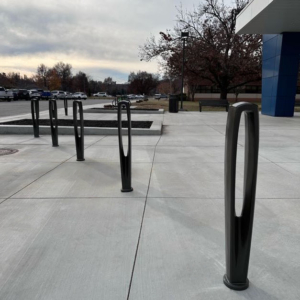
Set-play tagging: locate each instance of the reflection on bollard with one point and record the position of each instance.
(35, 113)
(66, 106)
(79, 139)
(53, 122)
(125, 161)
(238, 229)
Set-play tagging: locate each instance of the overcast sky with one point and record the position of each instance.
(99, 37)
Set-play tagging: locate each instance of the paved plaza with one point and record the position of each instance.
(68, 233)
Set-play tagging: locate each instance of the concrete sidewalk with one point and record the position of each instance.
(67, 232)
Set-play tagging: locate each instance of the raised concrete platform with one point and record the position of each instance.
(155, 129)
(67, 232)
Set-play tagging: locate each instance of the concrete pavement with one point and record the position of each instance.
(67, 232)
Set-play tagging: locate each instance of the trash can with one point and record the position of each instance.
(173, 104)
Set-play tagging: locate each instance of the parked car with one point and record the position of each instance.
(15, 94)
(157, 96)
(35, 94)
(79, 95)
(46, 95)
(69, 96)
(6, 94)
(58, 94)
(100, 94)
(23, 94)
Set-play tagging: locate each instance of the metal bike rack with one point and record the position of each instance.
(125, 161)
(238, 229)
(53, 122)
(66, 106)
(35, 113)
(79, 139)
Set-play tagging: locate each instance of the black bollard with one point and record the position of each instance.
(125, 161)
(79, 139)
(35, 113)
(238, 229)
(53, 122)
(66, 106)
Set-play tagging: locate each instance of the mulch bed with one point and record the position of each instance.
(96, 109)
(87, 123)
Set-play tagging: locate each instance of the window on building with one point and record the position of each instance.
(253, 89)
(207, 89)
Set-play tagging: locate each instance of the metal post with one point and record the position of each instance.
(238, 229)
(79, 139)
(35, 113)
(53, 122)
(66, 106)
(125, 161)
(182, 74)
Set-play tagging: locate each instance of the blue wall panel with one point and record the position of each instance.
(280, 73)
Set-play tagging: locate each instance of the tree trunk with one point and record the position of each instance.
(223, 94)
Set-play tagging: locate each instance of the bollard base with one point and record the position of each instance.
(36, 136)
(55, 145)
(80, 159)
(235, 286)
(126, 190)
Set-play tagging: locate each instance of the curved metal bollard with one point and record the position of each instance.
(79, 140)
(66, 106)
(238, 229)
(35, 113)
(125, 161)
(53, 122)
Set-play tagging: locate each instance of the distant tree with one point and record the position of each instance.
(95, 86)
(54, 80)
(142, 82)
(64, 71)
(42, 76)
(214, 51)
(4, 80)
(81, 82)
(108, 81)
(109, 85)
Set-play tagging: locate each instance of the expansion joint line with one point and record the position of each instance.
(141, 227)
(47, 173)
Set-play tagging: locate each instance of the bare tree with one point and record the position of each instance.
(43, 75)
(214, 51)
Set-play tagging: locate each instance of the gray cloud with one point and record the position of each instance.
(102, 30)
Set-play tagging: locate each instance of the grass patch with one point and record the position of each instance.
(187, 105)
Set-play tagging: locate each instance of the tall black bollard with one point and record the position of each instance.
(79, 139)
(125, 161)
(66, 106)
(35, 113)
(53, 122)
(238, 229)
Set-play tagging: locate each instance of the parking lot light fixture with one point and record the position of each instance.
(184, 37)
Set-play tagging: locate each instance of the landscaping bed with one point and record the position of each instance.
(87, 123)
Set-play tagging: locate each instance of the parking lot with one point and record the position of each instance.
(23, 107)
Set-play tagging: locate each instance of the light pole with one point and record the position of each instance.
(184, 36)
